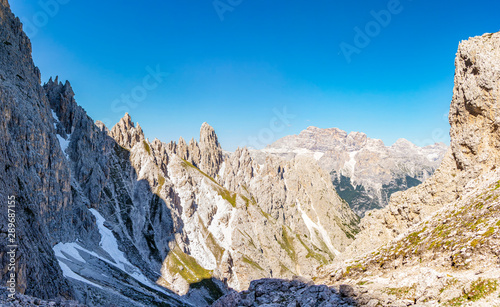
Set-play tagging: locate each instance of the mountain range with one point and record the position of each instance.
(106, 217)
(363, 170)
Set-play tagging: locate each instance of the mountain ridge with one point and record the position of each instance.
(364, 171)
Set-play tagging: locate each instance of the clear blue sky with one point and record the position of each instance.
(263, 55)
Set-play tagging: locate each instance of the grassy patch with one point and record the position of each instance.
(227, 195)
(251, 262)
(146, 147)
(489, 232)
(403, 292)
(312, 254)
(223, 192)
(478, 290)
(186, 266)
(211, 243)
(286, 243)
(161, 182)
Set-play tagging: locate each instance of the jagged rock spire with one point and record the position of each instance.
(126, 133)
(210, 150)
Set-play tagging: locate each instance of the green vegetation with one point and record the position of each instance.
(229, 196)
(489, 232)
(250, 239)
(161, 182)
(223, 192)
(146, 147)
(403, 292)
(211, 243)
(251, 262)
(286, 243)
(311, 253)
(186, 266)
(478, 290)
(354, 268)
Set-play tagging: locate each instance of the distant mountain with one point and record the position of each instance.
(364, 171)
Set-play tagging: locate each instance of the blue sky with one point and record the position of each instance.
(235, 64)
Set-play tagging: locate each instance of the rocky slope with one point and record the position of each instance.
(364, 171)
(106, 216)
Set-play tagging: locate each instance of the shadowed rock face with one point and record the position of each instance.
(34, 169)
(276, 292)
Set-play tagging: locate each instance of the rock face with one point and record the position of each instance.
(21, 300)
(364, 171)
(34, 170)
(444, 235)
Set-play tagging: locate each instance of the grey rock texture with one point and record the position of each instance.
(277, 292)
(364, 171)
(34, 169)
(21, 300)
(436, 244)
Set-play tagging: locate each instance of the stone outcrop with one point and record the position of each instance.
(126, 134)
(210, 151)
(276, 292)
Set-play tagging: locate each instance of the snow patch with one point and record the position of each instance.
(312, 225)
(350, 165)
(64, 143)
(318, 155)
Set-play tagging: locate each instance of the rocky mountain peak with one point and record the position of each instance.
(126, 133)
(211, 151)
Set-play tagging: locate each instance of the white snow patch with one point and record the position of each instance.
(62, 250)
(311, 225)
(54, 115)
(64, 143)
(318, 155)
(433, 157)
(68, 273)
(110, 245)
(350, 165)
